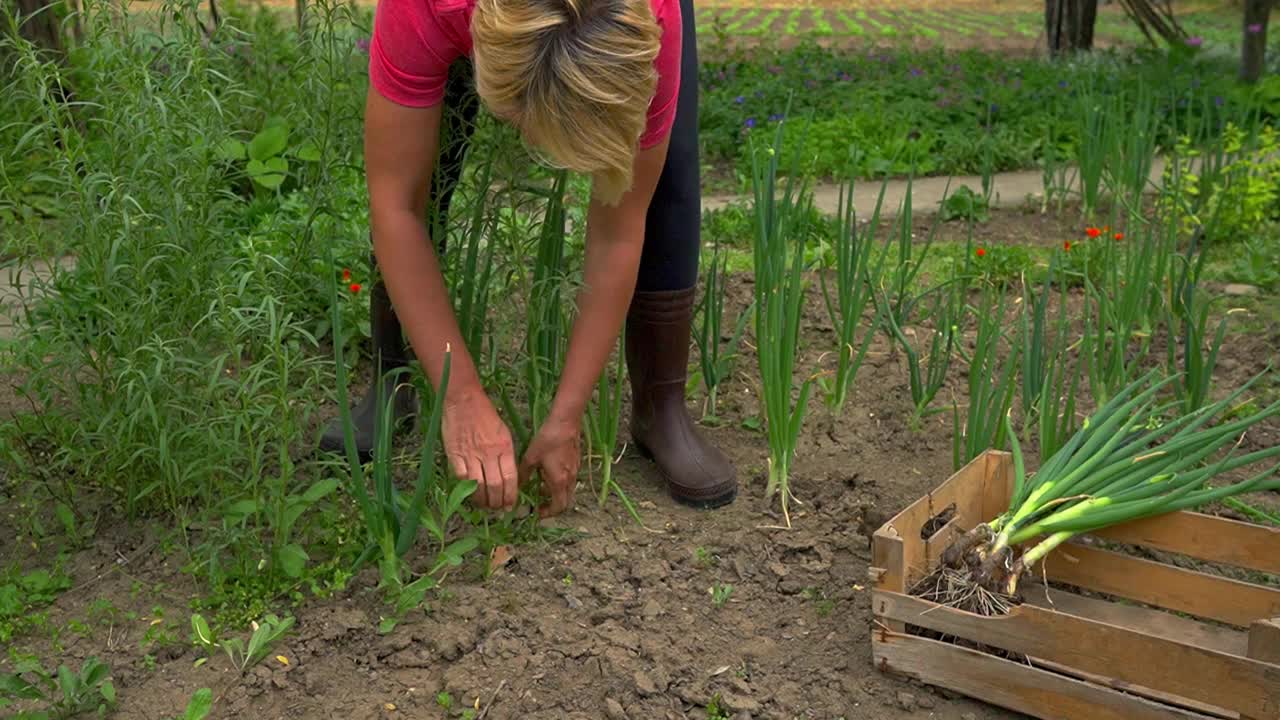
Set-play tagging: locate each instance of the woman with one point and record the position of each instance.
(606, 87)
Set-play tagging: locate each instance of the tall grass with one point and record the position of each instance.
(174, 371)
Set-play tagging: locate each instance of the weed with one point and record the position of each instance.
(199, 706)
(65, 692)
(714, 711)
(720, 594)
(965, 204)
(23, 594)
(243, 656)
(705, 558)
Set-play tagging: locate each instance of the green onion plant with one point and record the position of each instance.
(1128, 462)
(473, 272)
(856, 277)
(1050, 381)
(992, 384)
(928, 374)
(392, 520)
(779, 254)
(601, 428)
(716, 355)
(547, 320)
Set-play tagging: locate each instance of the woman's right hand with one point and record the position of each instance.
(479, 447)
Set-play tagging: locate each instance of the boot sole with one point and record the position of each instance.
(708, 503)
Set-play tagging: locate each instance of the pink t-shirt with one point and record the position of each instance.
(415, 41)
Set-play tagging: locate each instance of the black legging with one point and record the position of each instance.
(672, 228)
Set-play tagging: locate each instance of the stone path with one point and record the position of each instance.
(17, 286)
(1011, 190)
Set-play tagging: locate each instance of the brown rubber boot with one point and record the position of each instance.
(658, 331)
(390, 352)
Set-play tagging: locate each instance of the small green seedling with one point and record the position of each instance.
(199, 707)
(720, 594)
(265, 634)
(714, 711)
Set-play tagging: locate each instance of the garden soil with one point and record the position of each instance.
(618, 620)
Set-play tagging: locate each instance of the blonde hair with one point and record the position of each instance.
(574, 76)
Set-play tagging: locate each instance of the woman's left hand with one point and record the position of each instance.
(556, 453)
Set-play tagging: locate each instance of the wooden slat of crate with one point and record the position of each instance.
(903, 554)
(1249, 687)
(1205, 537)
(1012, 685)
(1154, 622)
(1173, 588)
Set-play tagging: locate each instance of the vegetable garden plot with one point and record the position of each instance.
(1070, 654)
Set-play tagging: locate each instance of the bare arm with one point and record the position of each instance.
(401, 144)
(615, 238)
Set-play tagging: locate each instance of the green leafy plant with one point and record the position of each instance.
(720, 594)
(965, 204)
(199, 707)
(1229, 190)
(243, 656)
(714, 711)
(21, 594)
(266, 155)
(66, 692)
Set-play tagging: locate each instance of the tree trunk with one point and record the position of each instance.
(1069, 25)
(41, 22)
(1253, 52)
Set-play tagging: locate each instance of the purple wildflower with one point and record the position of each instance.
(1219, 101)
(844, 77)
(750, 123)
(1062, 84)
(916, 72)
(1195, 41)
(776, 117)
(739, 100)
(362, 44)
(1254, 28)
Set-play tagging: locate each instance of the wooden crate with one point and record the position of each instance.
(1177, 643)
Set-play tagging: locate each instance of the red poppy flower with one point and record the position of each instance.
(1119, 236)
(1092, 232)
(346, 274)
(981, 252)
(1066, 245)
(355, 288)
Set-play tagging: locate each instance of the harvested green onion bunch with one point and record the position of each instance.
(1125, 464)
